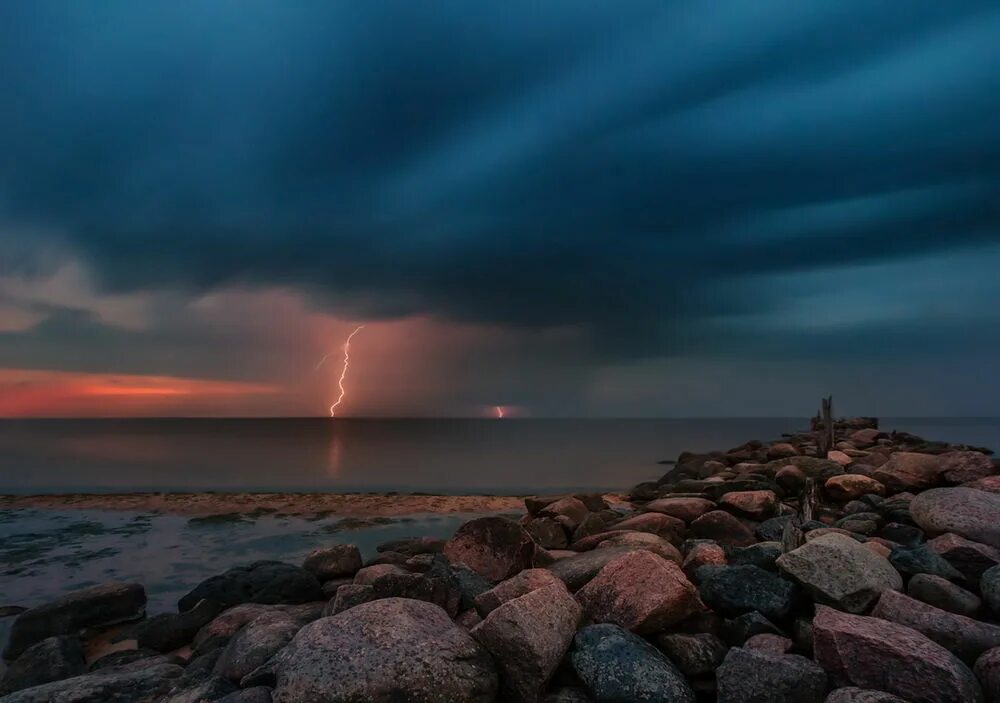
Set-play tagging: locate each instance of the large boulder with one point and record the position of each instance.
(734, 590)
(724, 528)
(852, 486)
(169, 631)
(839, 571)
(327, 563)
(987, 670)
(571, 510)
(443, 592)
(669, 528)
(964, 466)
(970, 558)
(577, 570)
(393, 649)
(617, 666)
(681, 507)
(874, 653)
(494, 547)
(547, 532)
(259, 582)
(643, 540)
(942, 593)
(640, 591)
(695, 655)
(753, 675)
(227, 624)
(964, 637)
(118, 684)
(755, 505)
(97, 606)
(909, 471)
(528, 637)
(964, 511)
(255, 643)
(525, 582)
(52, 659)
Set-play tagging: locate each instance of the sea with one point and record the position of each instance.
(47, 552)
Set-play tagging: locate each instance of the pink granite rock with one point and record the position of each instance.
(525, 582)
(682, 508)
(962, 636)
(907, 471)
(494, 547)
(756, 505)
(640, 591)
(528, 637)
(873, 653)
(722, 527)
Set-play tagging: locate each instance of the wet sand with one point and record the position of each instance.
(293, 504)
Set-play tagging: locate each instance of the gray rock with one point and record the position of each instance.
(327, 563)
(734, 590)
(943, 594)
(838, 570)
(964, 511)
(762, 554)
(617, 666)
(111, 685)
(52, 659)
(922, 560)
(528, 637)
(94, 607)
(266, 582)
(753, 675)
(390, 649)
(695, 655)
(256, 643)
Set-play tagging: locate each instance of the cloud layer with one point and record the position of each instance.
(603, 186)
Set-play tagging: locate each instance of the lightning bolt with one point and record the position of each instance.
(343, 373)
(499, 412)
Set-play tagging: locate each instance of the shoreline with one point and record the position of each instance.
(280, 503)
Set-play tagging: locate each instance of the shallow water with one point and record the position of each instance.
(440, 456)
(45, 553)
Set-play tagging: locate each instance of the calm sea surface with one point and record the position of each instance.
(446, 456)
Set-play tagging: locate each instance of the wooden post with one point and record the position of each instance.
(824, 429)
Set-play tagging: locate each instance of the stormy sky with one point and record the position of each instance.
(563, 208)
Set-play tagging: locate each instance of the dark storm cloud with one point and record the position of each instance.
(635, 167)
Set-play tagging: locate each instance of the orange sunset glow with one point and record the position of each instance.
(33, 393)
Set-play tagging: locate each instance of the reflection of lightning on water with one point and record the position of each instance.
(343, 373)
(499, 412)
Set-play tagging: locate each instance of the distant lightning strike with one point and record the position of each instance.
(343, 373)
(499, 412)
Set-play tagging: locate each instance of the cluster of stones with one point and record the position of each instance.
(758, 574)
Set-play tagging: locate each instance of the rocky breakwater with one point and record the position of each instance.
(761, 573)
